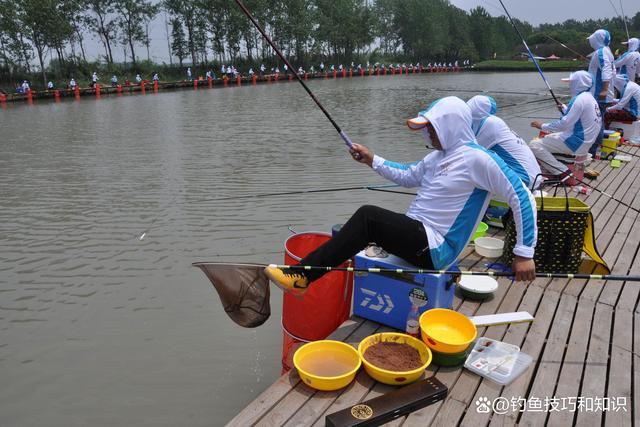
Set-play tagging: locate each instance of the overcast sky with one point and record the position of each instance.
(552, 11)
(533, 11)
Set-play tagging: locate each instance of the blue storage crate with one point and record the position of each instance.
(384, 297)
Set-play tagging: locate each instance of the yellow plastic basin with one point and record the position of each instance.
(394, 377)
(327, 365)
(447, 331)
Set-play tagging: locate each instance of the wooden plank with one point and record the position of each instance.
(573, 364)
(595, 373)
(464, 388)
(256, 409)
(548, 368)
(358, 388)
(619, 385)
(287, 407)
(516, 334)
(315, 408)
(532, 346)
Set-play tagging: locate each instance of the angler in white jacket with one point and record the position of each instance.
(454, 187)
(574, 133)
(601, 66)
(495, 135)
(628, 106)
(629, 62)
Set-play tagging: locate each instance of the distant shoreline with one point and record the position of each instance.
(511, 65)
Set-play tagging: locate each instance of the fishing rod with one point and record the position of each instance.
(279, 193)
(549, 166)
(624, 21)
(565, 46)
(612, 277)
(342, 134)
(620, 202)
(533, 58)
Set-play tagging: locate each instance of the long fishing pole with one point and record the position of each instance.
(624, 19)
(533, 58)
(620, 202)
(342, 134)
(278, 193)
(551, 167)
(612, 277)
(565, 46)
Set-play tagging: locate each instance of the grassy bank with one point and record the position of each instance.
(510, 65)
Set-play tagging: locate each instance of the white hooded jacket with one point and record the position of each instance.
(629, 95)
(581, 122)
(493, 134)
(456, 183)
(629, 62)
(601, 66)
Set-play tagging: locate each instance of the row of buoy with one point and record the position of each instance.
(225, 81)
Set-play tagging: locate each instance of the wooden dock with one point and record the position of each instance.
(585, 350)
(147, 85)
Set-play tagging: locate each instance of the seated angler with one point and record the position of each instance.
(629, 62)
(455, 183)
(493, 134)
(574, 133)
(628, 106)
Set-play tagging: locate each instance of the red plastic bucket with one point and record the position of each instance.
(327, 302)
(290, 343)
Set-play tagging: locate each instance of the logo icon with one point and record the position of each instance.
(384, 302)
(482, 405)
(361, 412)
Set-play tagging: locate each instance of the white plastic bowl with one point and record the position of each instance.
(489, 247)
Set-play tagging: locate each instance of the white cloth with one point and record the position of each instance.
(493, 134)
(455, 186)
(629, 95)
(544, 148)
(629, 62)
(581, 123)
(601, 65)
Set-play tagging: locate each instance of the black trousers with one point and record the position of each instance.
(395, 233)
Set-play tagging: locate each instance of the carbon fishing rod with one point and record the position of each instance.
(624, 21)
(279, 193)
(342, 134)
(566, 47)
(533, 58)
(612, 277)
(620, 202)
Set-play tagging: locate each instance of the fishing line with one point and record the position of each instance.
(262, 195)
(611, 277)
(342, 134)
(624, 19)
(533, 58)
(566, 47)
(551, 167)
(593, 188)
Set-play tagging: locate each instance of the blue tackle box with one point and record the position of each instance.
(384, 297)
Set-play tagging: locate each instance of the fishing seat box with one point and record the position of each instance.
(630, 130)
(384, 297)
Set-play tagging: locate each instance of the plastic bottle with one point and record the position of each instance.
(413, 324)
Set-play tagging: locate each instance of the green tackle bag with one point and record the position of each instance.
(565, 230)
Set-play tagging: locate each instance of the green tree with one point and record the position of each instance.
(133, 15)
(102, 22)
(178, 42)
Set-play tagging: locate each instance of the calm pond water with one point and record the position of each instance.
(99, 328)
